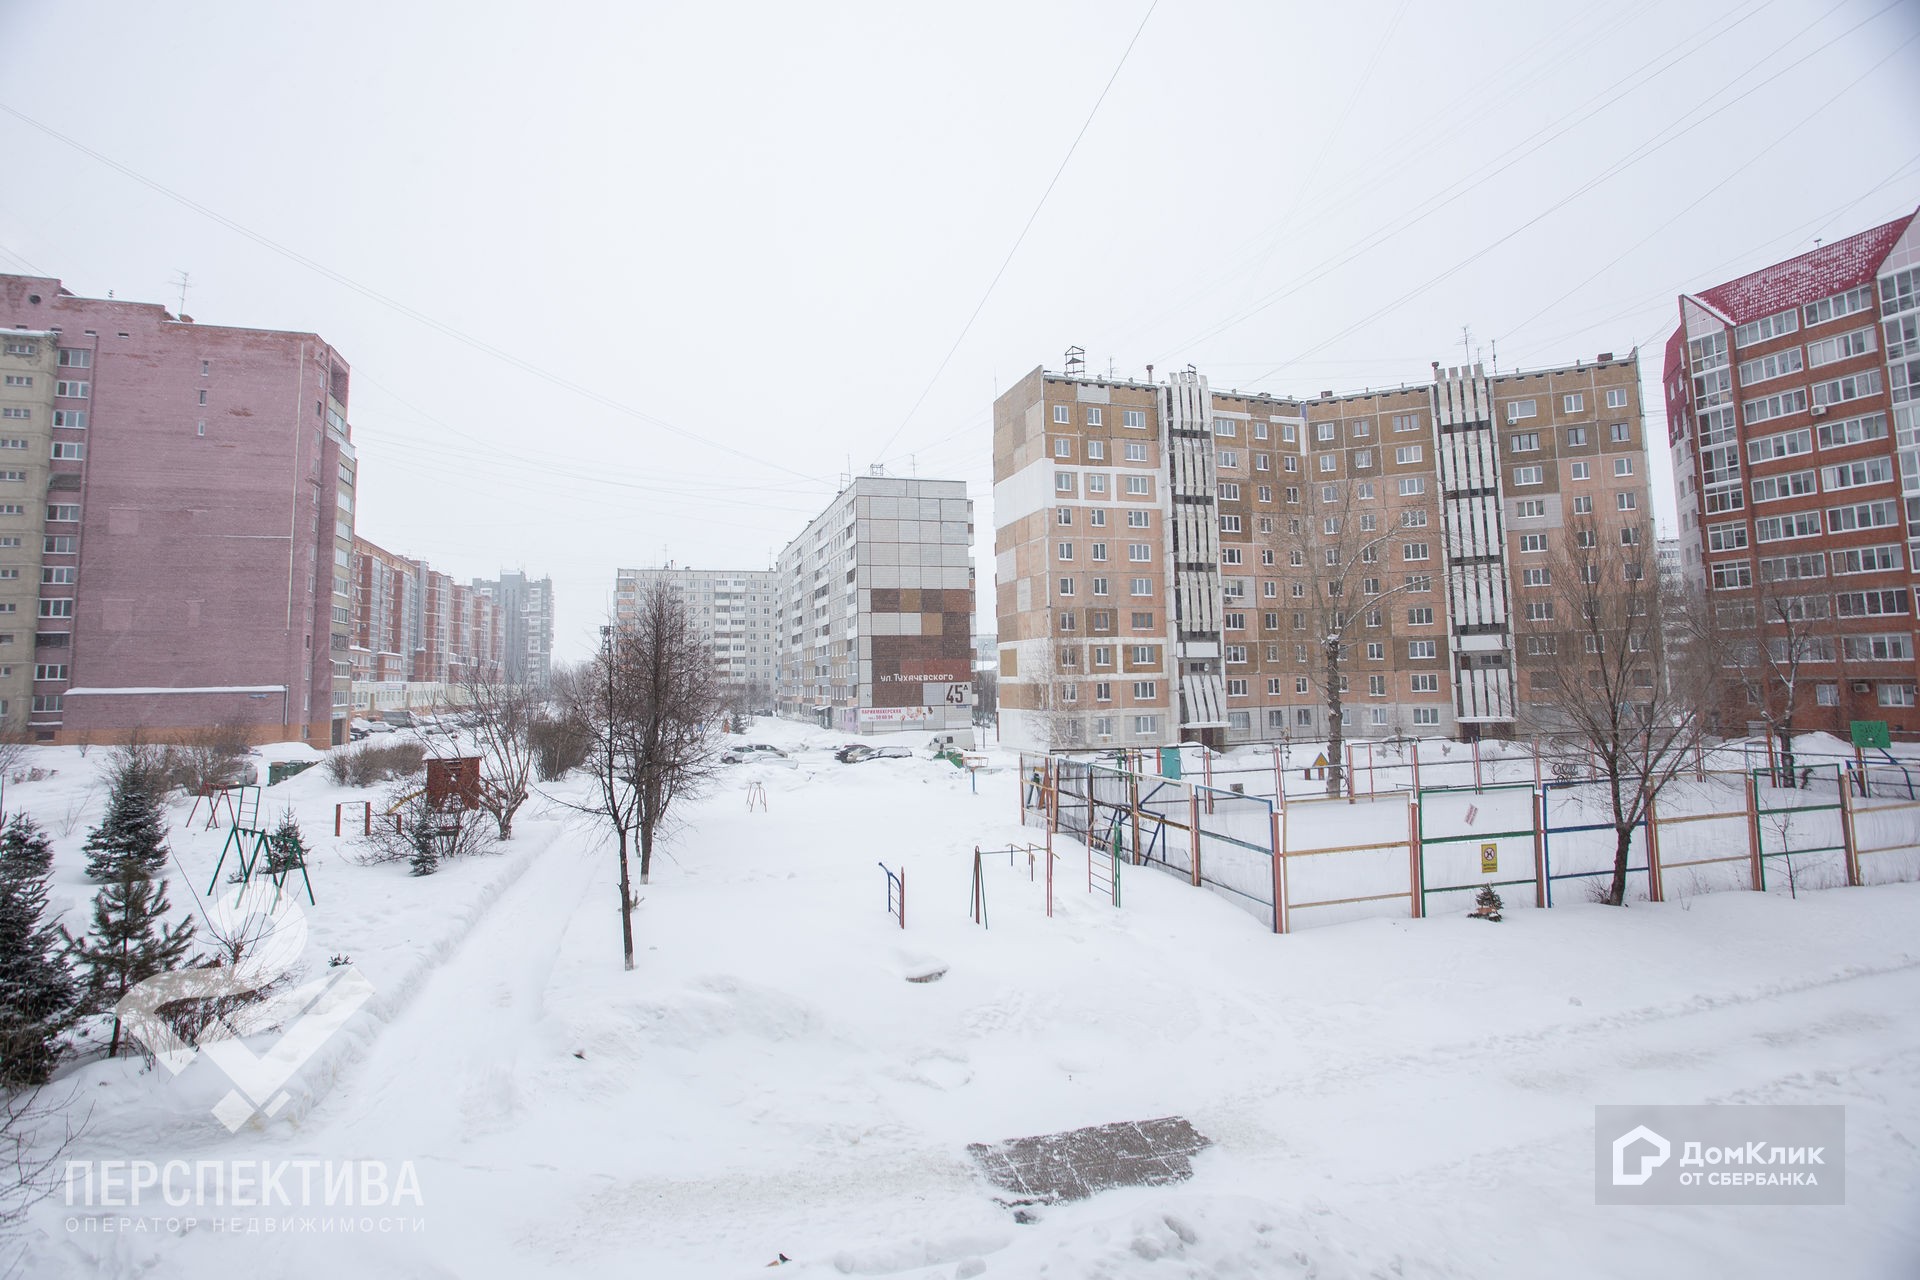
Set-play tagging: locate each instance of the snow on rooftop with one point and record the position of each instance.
(1818, 273)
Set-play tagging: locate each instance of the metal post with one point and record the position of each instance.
(1539, 847)
(1277, 839)
(1476, 766)
(1759, 866)
(1347, 780)
(1656, 890)
(1848, 839)
(1415, 886)
(1193, 831)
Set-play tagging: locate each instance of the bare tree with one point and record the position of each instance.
(503, 718)
(1763, 641)
(650, 710)
(1598, 681)
(1347, 559)
(31, 1153)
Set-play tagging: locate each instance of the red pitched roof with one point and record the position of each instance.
(1820, 273)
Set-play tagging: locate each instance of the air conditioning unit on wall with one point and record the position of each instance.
(1863, 686)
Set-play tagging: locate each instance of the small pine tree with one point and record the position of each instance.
(133, 828)
(425, 858)
(1487, 905)
(287, 849)
(38, 997)
(26, 853)
(129, 942)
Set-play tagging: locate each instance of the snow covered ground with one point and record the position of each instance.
(1385, 1098)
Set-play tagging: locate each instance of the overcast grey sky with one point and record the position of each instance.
(649, 277)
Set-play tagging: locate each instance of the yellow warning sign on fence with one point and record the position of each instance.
(1489, 859)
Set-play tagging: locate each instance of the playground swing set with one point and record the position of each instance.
(255, 848)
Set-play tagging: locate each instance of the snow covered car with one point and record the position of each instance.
(888, 753)
(751, 751)
(853, 753)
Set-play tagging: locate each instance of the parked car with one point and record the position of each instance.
(367, 728)
(886, 753)
(853, 753)
(751, 751)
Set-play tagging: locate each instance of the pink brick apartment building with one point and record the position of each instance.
(180, 543)
(412, 624)
(1793, 416)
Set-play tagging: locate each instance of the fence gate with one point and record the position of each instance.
(1345, 861)
(1474, 837)
(1800, 831)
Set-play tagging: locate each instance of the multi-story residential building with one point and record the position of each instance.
(875, 609)
(526, 608)
(734, 609)
(1168, 555)
(187, 521)
(418, 636)
(1793, 417)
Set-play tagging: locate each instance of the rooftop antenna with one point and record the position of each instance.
(1496, 355)
(182, 282)
(1076, 362)
(1466, 343)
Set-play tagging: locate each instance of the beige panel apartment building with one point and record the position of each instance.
(1167, 555)
(733, 608)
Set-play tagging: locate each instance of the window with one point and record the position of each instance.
(1852, 475)
(75, 418)
(1420, 617)
(1536, 577)
(1229, 492)
(1626, 502)
(1325, 431)
(63, 512)
(1062, 414)
(1617, 398)
(1096, 483)
(1792, 485)
(1529, 475)
(1540, 611)
(1580, 471)
(1413, 551)
(1779, 405)
(1139, 519)
(56, 608)
(1412, 486)
(1136, 451)
(1139, 551)
(1777, 365)
(68, 451)
(17, 380)
(1623, 466)
(1882, 648)
(1871, 604)
(1139, 486)
(75, 358)
(1530, 509)
(1098, 551)
(1426, 682)
(1146, 725)
(1519, 409)
(1784, 445)
(1225, 427)
(1426, 716)
(1727, 537)
(1421, 648)
(1329, 461)
(1103, 691)
(1063, 482)
(1093, 415)
(1100, 586)
(1266, 495)
(1864, 515)
(63, 545)
(23, 348)
(1063, 515)
(1575, 436)
(1851, 387)
(1408, 453)
(57, 575)
(17, 413)
(1063, 551)
(1532, 542)
(1843, 304)
(1881, 559)
(72, 390)
(1141, 586)
(1896, 695)
(1528, 442)
(1732, 575)
(1097, 518)
(1062, 447)
(1769, 327)
(1066, 587)
(1290, 463)
(1230, 555)
(1146, 688)
(50, 671)
(1236, 688)
(1872, 426)
(46, 702)
(1573, 403)
(1135, 418)
(1406, 422)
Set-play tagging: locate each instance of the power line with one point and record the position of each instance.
(394, 304)
(1008, 260)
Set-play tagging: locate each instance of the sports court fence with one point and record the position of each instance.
(1305, 862)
